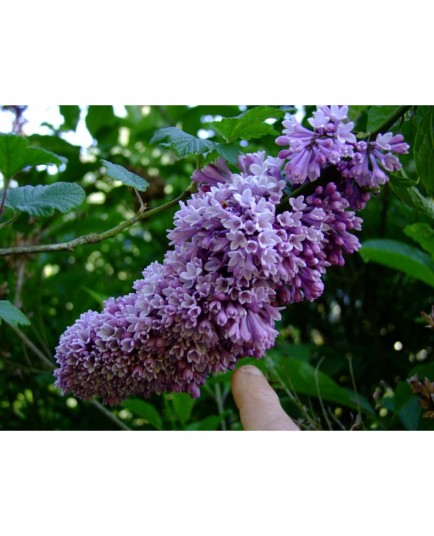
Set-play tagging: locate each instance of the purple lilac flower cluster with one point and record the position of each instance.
(361, 165)
(237, 258)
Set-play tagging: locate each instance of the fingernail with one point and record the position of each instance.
(250, 369)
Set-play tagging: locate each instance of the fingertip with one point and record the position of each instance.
(241, 372)
(257, 402)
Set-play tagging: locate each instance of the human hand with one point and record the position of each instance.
(257, 402)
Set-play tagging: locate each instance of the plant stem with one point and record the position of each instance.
(391, 121)
(19, 366)
(142, 205)
(95, 238)
(353, 381)
(34, 348)
(110, 415)
(168, 407)
(219, 402)
(14, 218)
(5, 190)
(319, 394)
(21, 272)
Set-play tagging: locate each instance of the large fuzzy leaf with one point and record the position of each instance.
(12, 315)
(15, 154)
(119, 173)
(250, 124)
(181, 142)
(44, 200)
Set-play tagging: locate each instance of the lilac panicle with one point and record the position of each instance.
(363, 165)
(237, 257)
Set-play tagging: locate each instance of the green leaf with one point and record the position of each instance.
(400, 256)
(378, 115)
(414, 199)
(43, 200)
(119, 173)
(55, 144)
(209, 423)
(421, 203)
(97, 296)
(354, 112)
(71, 115)
(180, 142)
(228, 152)
(423, 150)
(285, 349)
(250, 124)
(410, 414)
(99, 118)
(12, 153)
(15, 154)
(305, 379)
(406, 406)
(183, 406)
(424, 370)
(145, 410)
(36, 157)
(12, 315)
(423, 234)
(401, 181)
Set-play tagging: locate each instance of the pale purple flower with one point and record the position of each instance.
(369, 158)
(310, 152)
(360, 166)
(344, 133)
(319, 119)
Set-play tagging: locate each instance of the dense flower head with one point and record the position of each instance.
(240, 252)
(363, 165)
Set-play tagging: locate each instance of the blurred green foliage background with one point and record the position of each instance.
(341, 362)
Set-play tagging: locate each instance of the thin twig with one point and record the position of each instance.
(337, 421)
(41, 341)
(291, 394)
(20, 282)
(95, 238)
(110, 415)
(34, 348)
(391, 121)
(329, 424)
(353, 381)
(219, 402)
(11, 220)
(22, 367)
(168, 405)
(5, 191)
(142, 205)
